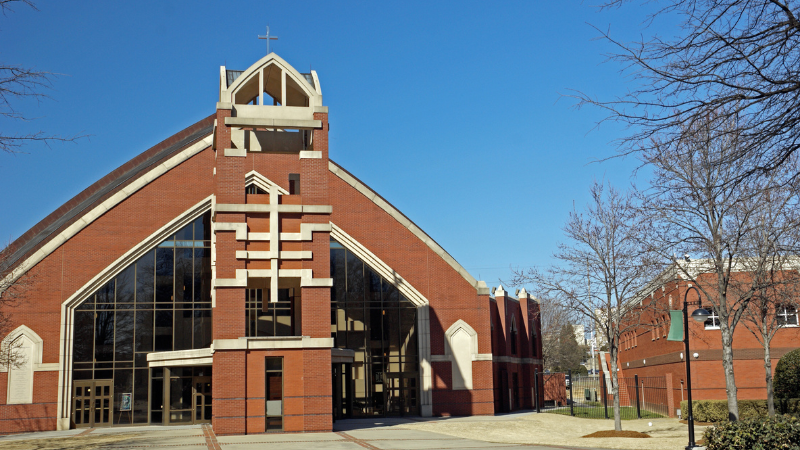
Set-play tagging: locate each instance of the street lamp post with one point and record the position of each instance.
(699, 315)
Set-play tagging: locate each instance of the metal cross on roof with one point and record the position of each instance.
(268, 38)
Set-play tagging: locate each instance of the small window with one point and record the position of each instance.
(253, 189)
(274, 393)
(712, 323)
(786, 316)
(294, 184)
(533, 341)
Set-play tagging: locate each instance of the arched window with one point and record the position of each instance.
(159, 303)
(513, 335)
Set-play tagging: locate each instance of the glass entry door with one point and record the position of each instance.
(401, 393)
(92, 404)
(202, 399)
(181, 395)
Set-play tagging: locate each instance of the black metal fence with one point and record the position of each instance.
(591, 396)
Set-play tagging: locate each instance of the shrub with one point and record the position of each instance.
(780, 432)
(717, 410)
(787, 376)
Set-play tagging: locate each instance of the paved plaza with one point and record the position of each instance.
(355, 434)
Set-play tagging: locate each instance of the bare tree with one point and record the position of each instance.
(774, 240)
(552, 315)
(702, 205)
(601, 269)
(741, 57)
(12, 286)
(16, 83)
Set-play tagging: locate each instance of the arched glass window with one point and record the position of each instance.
(372, 318)
(162, 302)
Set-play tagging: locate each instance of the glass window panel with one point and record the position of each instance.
(163, 331)
(183, 276)
(140, 390)
(165, 271)
(408, 337)
(124, 335)
(203, 257)
(372, 286)
(104, 336)
(355, 326)
(83, 340)
(105, 296)
(144, 331)
(274, 385)
(391, 331)
(103, 374)
(202, 227)
(339, 274)
(145, 279)
(126, 284)
(355, 278)
(180, 393)
(185, 233)
(202, 328)
(183, 329)
(123, 383)
(375, 329)
(82, 375)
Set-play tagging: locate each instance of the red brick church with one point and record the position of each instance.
(235, 275)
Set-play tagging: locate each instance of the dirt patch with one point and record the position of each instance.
(617, 434)
(705, 424)
(89, 442)
(558, 430)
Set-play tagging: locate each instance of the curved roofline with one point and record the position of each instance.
(381, 202)
(227, 94)
(77, 207)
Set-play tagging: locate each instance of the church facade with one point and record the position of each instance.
(235, 275)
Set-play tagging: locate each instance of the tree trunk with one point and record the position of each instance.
(727, 366)
(768, 372)
(615, 390)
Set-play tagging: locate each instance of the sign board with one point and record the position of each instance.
(125, 403)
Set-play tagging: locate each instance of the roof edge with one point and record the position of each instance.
(71, 211)
(382, 203)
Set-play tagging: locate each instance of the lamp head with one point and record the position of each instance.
(700, 314)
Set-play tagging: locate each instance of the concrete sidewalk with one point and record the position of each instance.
(355, 434)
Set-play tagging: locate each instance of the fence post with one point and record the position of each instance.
(605, 396)
(536, 389)
(571, 410)
(638, 404)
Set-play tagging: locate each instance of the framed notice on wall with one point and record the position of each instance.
(125, 403)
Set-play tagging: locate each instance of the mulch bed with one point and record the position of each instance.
(613, 433)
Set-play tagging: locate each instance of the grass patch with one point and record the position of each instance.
(625, 412)
(617, 434)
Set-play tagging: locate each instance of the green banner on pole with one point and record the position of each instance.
(675, 326)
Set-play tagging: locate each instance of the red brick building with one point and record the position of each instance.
(234, 274)
(648, 353)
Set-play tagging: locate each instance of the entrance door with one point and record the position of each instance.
(186, 397)
(342, 390)
(401, 393)
(92, 404)
(202, 399)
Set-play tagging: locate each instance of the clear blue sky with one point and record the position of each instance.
(450, 110)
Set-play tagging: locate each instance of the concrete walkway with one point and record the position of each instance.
(356, 434)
